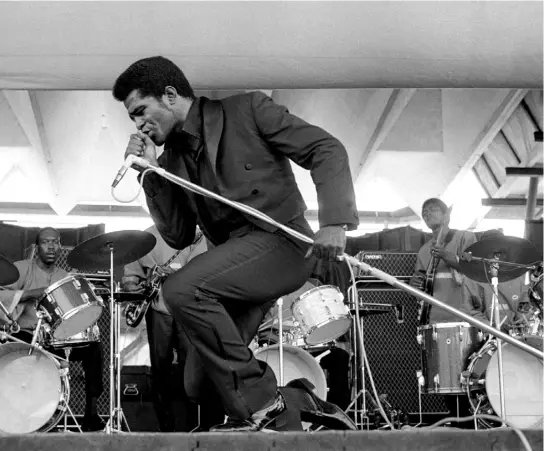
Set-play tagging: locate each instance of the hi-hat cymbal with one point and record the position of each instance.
(128, 246)
(505, 248)
(8, 271)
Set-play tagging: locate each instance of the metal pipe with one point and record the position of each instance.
(531, 198)
(353, 261)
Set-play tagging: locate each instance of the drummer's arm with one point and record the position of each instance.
(31, 295)
(472, 300)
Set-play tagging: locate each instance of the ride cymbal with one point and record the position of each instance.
(8, 271)
(128, 246)
(506, 249)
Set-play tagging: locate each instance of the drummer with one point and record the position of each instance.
(19, 298)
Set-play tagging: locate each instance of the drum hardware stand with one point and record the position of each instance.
(280, 340)
(495, 316)
(117, 417)
(420, 383)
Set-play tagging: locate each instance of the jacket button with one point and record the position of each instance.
(255, 191)
(249, 166)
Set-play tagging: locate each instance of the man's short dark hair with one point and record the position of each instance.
(43, 230)
(435, 201)
(151, 76)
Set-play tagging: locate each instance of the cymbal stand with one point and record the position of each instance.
(117, 417)
(280, 338)
(495, 316)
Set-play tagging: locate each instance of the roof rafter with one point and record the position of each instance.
(24, 105)
(398, 100)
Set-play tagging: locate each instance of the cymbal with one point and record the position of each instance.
(128, 246)
(8, 271)
(506, 248)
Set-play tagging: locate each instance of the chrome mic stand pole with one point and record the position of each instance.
(116, 412)
(388, 278)
(495, 308)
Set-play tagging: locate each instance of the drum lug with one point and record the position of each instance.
(76, 283)
(419, 339)
(480, 336)
(460, 333)
(420, 378)
(435, 334)
(85, 296)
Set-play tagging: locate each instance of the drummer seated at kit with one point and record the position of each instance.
(516, 312)
(19, 298)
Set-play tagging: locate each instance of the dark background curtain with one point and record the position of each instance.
(16, 240)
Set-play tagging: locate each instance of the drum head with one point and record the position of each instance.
(297, 363)
(77, 321)
(329, 331)
(30, 388)
(522, 387)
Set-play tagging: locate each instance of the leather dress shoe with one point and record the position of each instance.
(323, 413)
(256, 422)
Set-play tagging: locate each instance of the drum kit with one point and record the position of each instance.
(34, 379)
(459, 359)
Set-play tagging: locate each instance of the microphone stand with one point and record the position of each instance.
(393, 281)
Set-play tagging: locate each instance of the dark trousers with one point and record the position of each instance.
(220, 298)
(90, 357)
(164, 335)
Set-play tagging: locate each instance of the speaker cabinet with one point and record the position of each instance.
(392, 349)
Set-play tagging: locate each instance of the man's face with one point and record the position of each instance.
(49, 246)
(152, 116)
(433, 216)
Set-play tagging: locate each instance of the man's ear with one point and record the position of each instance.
(171, 94)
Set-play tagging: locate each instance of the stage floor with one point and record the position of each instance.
(443, 439)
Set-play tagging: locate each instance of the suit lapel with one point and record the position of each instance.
(212, 119)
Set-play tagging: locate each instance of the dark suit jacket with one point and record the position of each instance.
(250, 140)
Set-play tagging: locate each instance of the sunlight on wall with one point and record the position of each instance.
(466, 197)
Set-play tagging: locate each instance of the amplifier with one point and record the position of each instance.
(392, 349)
(397, 264)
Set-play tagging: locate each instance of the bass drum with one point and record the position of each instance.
(297, 363)
(523, 390)
(34, 389)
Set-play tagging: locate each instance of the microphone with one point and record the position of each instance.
(130, 160)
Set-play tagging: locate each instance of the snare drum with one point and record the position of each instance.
(88, 336)
(445, 352)
(321, 314)
(70, 306)
(523, 391)
(34, 389)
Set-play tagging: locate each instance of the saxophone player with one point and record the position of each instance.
(163, 333)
